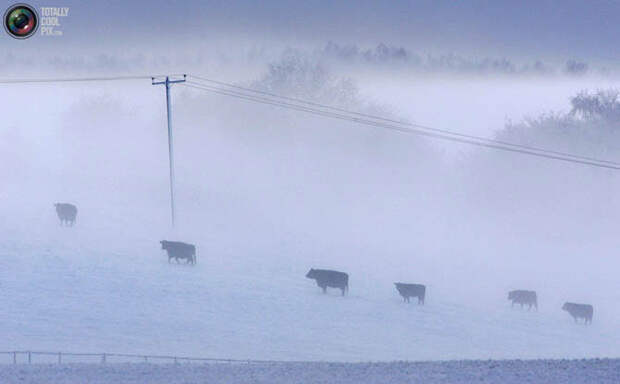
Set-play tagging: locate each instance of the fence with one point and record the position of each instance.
(35, 357)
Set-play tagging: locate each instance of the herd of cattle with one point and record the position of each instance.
(334, 279)
(326, 278)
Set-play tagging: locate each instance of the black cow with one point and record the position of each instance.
(179, 250)
(326, 278)
(523, 297)
(579, 311)
(66, 213)
(411, 290)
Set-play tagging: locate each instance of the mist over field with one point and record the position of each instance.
(267, 193)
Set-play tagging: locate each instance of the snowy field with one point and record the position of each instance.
(507, 371)
(86, 289)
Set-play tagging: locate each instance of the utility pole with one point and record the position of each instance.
(168, 82)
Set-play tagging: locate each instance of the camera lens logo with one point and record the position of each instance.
(21, 21)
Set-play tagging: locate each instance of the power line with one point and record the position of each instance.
(412, 125)
(344, 114)
(81, 79)
(531, 152)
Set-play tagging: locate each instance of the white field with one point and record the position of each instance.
(93, 288)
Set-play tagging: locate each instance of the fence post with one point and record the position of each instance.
(29, 357)
(14, 357)
(175, 360)
(146, 359)
(103, 358)
(59, 357)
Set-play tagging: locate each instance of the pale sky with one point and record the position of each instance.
(542, 29)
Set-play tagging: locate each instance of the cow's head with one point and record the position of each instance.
(164, 244)
(311, 274)
(511, 295)
(565, 307)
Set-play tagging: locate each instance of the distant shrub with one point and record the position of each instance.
(573, 67)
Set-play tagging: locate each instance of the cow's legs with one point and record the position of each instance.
(420, 300)
(342, 291)
(324, 289)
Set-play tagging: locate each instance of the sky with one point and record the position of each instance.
(544, 30)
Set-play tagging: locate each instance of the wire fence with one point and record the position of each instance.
(48, 357)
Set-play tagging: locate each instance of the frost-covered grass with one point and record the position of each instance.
(88, 289)
(472, 371)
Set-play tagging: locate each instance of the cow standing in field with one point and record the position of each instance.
(327, 278)
(411, 290)
(523, 297)
(179, 250)
(579, 311)
(66, 213)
